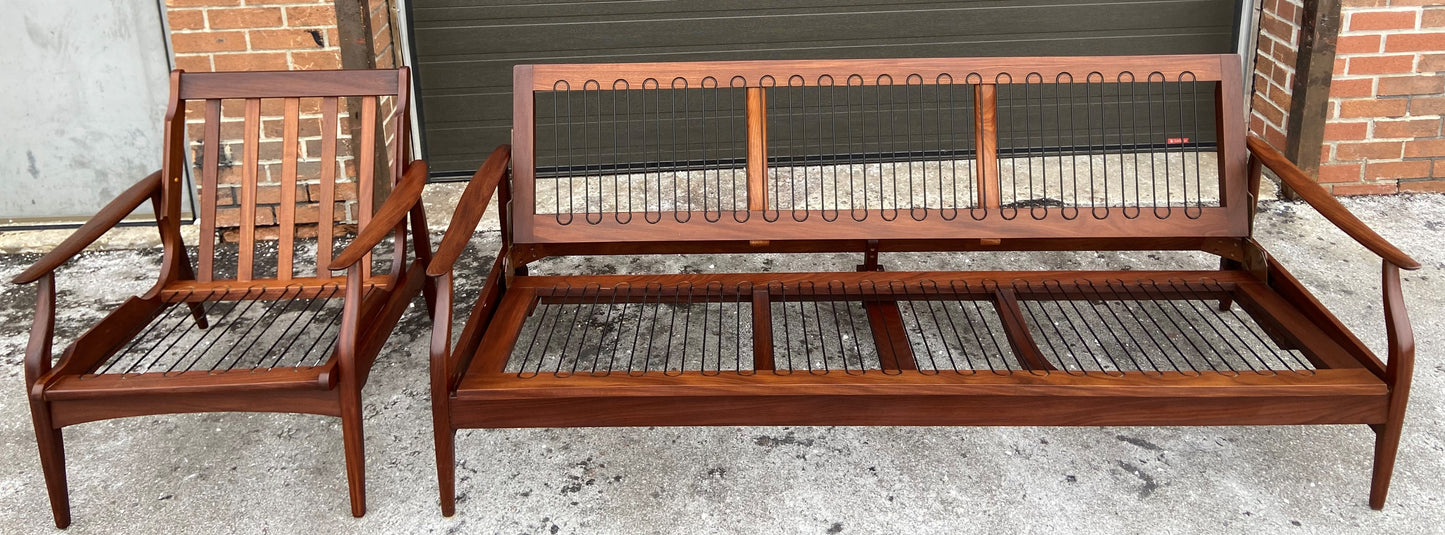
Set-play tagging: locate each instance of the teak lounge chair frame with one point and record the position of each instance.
(261, 338)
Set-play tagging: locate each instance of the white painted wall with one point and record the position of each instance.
(81, 106)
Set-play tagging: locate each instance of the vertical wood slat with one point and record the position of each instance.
(366, 173)
(757, 123)
(1016, 327)
(985, 98)
(889, 335)
(326, 206)
(249, 169)
(762, 330)
(286, 213)
(210, 160)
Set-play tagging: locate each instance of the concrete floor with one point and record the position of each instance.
(264, 473)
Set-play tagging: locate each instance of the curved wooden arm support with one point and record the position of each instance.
(38, 351)
(406, 196)
(348, 341)
(93, 229)
(1400, 336)
(1398, 371)
(449, 361)
(1326, 204)
(441, 337)
(470, 209)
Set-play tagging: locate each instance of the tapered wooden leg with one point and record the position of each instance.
(52, 462)
(421, 243)
(447, 468)
(199, 313)
(1387, 442)
(1226, 264)
(355, 447)
(429, 291)
(187, 272)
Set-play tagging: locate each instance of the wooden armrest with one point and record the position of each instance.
(1327, 205)
(469, 210)
(93, 229)
(406, 194)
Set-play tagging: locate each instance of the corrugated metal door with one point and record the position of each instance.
(464, 49)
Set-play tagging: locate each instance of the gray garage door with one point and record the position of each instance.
(465, 49)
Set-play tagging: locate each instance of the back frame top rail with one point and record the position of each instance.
(1204, 68)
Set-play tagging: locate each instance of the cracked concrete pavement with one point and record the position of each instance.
(270, 473)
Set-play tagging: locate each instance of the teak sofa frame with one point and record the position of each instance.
(198, 374)
(482, 377)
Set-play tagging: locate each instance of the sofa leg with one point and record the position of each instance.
(1387, 442)
(1226, 264)
(447, 468)
(52, 462)
(429, 292)
(354, 443)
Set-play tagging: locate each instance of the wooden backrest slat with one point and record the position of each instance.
(286, 212)
(210, 168)
(985, 98)
(326, 205)
(250, 166)
(366, 171)
(757, 173)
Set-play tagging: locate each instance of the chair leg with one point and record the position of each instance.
(52, 462)
(1387, 443)
(1226, 264)
(447, 468)
(429, 291)
(199, 313)
(354, 443)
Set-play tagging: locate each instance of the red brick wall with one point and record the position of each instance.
(242, 35)
(249, 35)
(1386, 99)
(1274, 69)
(1383, 131)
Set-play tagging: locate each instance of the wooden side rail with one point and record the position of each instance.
(1327, 205)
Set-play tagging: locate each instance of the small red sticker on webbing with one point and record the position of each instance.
(1176, 140)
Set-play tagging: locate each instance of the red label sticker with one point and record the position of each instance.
(1176, 140)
